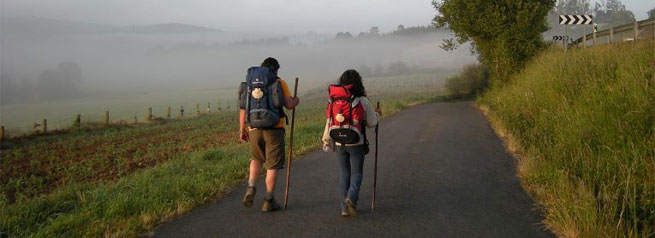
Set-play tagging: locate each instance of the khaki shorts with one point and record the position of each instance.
(267, 147)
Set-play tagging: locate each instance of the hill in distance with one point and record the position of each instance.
(45, 26)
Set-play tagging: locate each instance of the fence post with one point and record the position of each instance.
(181, 111)
(2, 132)
(150, 114)
(78, 121)
(106, 117)
(44, 124)
(594, 42)
(208, 108)
(611, 40)
(135, 121)
(584, 37)
(636, 28)
(168, 115)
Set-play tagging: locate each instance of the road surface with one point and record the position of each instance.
(442, 173)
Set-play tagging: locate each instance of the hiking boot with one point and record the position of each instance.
(270, 205)
(250, 195)
(345, 213)
(350, 207)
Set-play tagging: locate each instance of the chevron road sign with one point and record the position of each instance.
(560, 37)
(575, 19)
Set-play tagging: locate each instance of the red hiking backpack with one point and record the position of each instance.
(346, 116)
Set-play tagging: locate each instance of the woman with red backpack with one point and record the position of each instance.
(349, 113)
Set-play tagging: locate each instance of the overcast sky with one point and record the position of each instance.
(284, 16)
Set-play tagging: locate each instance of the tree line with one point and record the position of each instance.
(374, 32)
(60, 82)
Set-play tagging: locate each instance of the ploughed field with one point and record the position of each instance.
(36, 165)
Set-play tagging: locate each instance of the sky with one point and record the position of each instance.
(283, 16)
(298, 16)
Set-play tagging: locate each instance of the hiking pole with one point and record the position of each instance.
(375, 167)
(293, 118)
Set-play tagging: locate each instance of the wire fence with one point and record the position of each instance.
(107, 118)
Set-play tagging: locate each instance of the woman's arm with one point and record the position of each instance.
(372, 115)
(326, 135)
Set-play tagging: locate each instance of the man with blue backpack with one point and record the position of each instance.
(262, 119)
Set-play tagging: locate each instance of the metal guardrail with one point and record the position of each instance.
(629, 32)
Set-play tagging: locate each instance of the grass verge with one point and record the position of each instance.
(585, 132)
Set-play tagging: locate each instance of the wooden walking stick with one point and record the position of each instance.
(375, 167)
(293, 118)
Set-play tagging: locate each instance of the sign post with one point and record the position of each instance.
(575, 20)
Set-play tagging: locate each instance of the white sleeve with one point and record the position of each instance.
(372, 117)
(326, 136)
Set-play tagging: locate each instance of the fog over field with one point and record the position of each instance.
(52, 66)
(175, 55)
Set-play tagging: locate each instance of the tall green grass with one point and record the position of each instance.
(584, 124)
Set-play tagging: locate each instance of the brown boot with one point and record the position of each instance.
(249, 197)
(270, 205)
(350, 207)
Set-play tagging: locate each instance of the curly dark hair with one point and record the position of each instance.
(272, 64)
(351, 76)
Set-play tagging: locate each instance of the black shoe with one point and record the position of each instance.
(350, 207)
(270, 205)
(250, 195)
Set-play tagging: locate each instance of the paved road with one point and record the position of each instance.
(442, 173)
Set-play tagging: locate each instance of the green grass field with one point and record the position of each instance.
(585, 130)
(19, 118)
(124, 180)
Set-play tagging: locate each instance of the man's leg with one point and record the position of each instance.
(255, 170)
(274, 161)
(257, 152)
(271, 176)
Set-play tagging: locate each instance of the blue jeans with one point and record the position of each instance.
(351, 161)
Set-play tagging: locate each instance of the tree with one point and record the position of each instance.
(7, 89)
(62, 82)
(344, 35)
(365, 70)
(651, 13)
(504, 34)
(12, 91)
(398, 67)
(401, 28)
(612, 12)
(378, 69)
(573, 7)
(374, 31)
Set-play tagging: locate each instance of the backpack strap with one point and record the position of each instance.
(248, 104)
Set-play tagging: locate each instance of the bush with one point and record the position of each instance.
(472, 81)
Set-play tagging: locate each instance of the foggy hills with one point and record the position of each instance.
(45, 26)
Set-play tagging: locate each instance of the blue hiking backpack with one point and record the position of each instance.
(262, 98)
